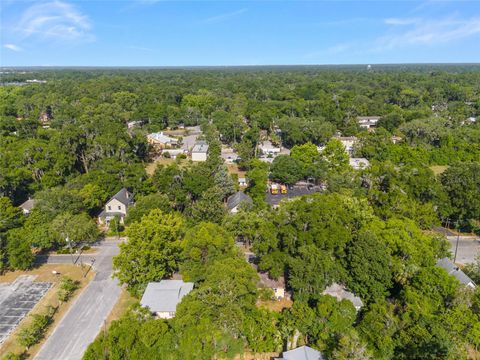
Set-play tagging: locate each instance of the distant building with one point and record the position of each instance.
(161, 141)
(200, 151)
(133, 124)
(359, 163)
(340, 293)
(27, 206)
(278, 285)
(348, 142)
(162, 298)
(235, 200)
(368, 122)
(268, 148)
(117, 206)
(301, 353)
(454, 270)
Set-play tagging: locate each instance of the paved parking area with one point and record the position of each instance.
(468, 248)
(16, 301)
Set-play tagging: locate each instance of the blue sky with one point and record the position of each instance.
(179, 33)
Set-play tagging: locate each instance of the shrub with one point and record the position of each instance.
(66, 289)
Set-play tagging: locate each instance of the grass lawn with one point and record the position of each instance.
(124, 302)
(233, 169)
(150, 168)
(44, 274)
(275, 305)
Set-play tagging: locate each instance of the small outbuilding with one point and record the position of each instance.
(359, 163)
(200, 151)
(162, 298)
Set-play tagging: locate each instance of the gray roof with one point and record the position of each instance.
(237, 198)
(28, 205)
(338, 291)
(124, 196)
(200, 147)
(164, 296)
(453, 270)
(302, 353)
(162, 138)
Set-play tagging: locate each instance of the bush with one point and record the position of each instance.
(32, 334)
(166, 155)
(66, 289)
(181, 156)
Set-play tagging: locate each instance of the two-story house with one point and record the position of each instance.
(117, 206)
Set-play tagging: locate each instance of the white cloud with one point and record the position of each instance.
(223, 17)
(13, 47)
(408, 32)
(55, 20)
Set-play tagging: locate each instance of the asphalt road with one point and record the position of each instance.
(86, 316)
(468, 248)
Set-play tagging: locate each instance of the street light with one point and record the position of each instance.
(69, 242)
(458, 239)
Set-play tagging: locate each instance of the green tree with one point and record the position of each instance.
(152, 251)
(286, 169)
(335, 156)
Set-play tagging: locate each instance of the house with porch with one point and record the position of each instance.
(116, 206)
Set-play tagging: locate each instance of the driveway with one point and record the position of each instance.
(86, 316)
(468, 248)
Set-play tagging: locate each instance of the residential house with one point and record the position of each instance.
(234, 201)
(359, 163)
(301, 353)
(161, 141)
(278, 285)
(368, 122)
(348, 142)
(454, 270)
(162, 298)
(200, 151)
(268, 148)
(27, 206)
(340, 293)
(117, 206)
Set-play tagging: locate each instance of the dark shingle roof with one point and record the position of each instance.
(237, 198)
(124, 196)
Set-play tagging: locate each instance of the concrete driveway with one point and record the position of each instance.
(85, 317)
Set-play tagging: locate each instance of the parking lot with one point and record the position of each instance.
(16, 301)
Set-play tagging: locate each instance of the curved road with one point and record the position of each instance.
(85, 317)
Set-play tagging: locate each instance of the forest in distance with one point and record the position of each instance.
(66, 141)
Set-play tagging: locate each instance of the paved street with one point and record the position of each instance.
(468, 248)
(86, 316)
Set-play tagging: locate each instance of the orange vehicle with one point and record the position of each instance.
(283, 189)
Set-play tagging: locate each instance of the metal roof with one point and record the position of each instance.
(453, 270)
(200, 147)
(302, 353)
(338, 291)
(164, 296)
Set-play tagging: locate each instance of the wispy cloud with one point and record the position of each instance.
(223, 17)
(13, 47)
(408, 32)
(55, 20)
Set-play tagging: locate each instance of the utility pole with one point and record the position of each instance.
(458, 239)
(69, 242)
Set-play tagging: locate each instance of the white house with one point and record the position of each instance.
(368, 122)
(348, 142)
(340, 293)
(200, 151)
(301, 353)
(162, 141)
(454, 270)
(268, 148)
(359, 163)
(162, 298)
(117, 206)
(27, 206)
